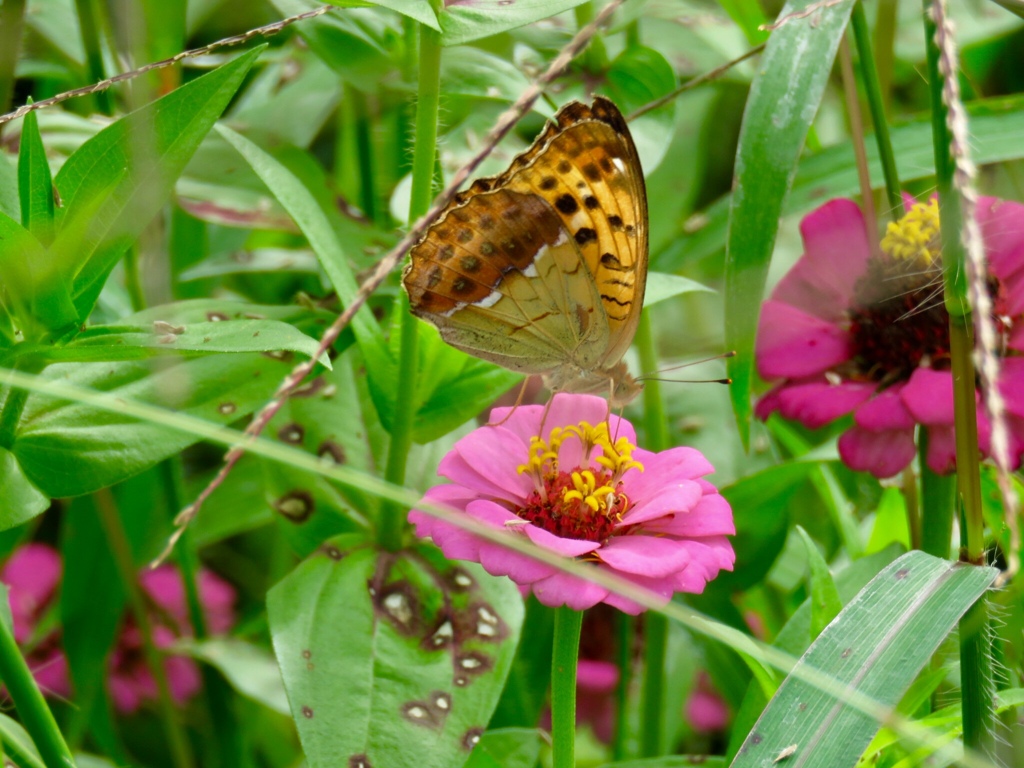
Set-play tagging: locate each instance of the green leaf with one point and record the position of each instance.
(473, 19)
(17, 743)
(304, 209)
(35, 296)
(427, 647)
(21, 499)
(636, 77)
(127, 342)
(783, 100)
(673, 761)
(251, 670)
(10, 204)
(825, 602)
(35, 186)
(115, 183)
(877, 644)
(507, 748)
(662, 286)
(68, 449)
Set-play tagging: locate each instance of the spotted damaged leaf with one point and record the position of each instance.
(391, 659)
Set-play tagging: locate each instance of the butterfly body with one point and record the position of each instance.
(542, 269)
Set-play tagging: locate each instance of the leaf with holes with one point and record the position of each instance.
(392, 660)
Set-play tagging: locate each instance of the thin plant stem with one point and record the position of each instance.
(976, 681)
(655, 626)
(12, 18)
(625, 626)
(857, 140)
(424, 152)
(223, 724)
(32, 709)
(564, 659)
(110, 519)
(655, 643)
(912, 503)
(89, 28)
(884, 45)
(938, 500)
(876, 105)
(655, 420)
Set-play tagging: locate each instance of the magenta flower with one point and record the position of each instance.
(32, 575)
(849, 332)
(706, 711)
(582, 490)
(130, 682)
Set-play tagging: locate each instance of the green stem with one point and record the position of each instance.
(12, 18)
(655, 625)
(977, 682)
(93, 52)
(14, 404)
(110, 519)
(876, 104)
(32, 710)
(227, 736)
(913, 505)
(625, 626)
(564, 660)
(655, 420)
(655, 642)
(938, 500)
(424, 152)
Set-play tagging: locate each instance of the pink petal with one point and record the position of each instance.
(522, 569)
(712, 516)
(929, 396)
(883, 454)
(644, 555)
(660, 591)
(182, 678)
(941, 457)
(1011, 384)
(793, 344)
(596, 676)
(571, 591)
(487, 460)
(680, 463)
(557, 544)
(816, 404)
(670, 497)
(835, 252)
(32, 574)
(884, 411)
(1002, 227)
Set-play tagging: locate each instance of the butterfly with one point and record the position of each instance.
(542, 269)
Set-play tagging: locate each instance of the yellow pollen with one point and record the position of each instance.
(915, 237)
(616, 457)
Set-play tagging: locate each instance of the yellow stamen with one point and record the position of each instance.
(915, 237)
(616, 457)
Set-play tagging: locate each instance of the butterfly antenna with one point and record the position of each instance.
(687, 381)
(651, 376)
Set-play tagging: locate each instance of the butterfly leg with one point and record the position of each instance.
(518, 402)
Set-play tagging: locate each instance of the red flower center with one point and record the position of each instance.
(898, 320)
(562, 508)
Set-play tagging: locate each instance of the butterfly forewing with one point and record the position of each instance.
(542, 268)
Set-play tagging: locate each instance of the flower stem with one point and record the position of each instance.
(976, 681)
(35, 715)
(626, 627)
(655, 642)
(655, 625)
(110, 519)
(424, 152)
(655, 421)
(876, 105)
(564, 659)
(938, 498)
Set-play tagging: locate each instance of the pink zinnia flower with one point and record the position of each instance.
(32, 575)
(583, 490)
(848, 332)
(130, 681)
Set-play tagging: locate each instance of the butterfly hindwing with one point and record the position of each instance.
(542, 268)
